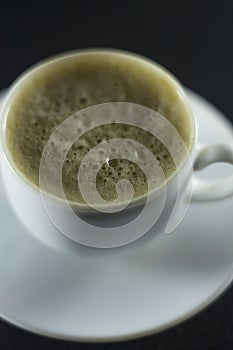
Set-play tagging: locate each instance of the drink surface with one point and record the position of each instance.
(58, 90)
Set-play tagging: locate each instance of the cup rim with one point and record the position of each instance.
(68, 55)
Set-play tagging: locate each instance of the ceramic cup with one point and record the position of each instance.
(161, 211)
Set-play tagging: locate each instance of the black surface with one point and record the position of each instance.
(193, 39)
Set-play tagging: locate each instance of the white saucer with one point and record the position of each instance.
(108, 297)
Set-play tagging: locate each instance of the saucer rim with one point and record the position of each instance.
(130, 336)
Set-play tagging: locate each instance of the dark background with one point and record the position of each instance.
(193, 39)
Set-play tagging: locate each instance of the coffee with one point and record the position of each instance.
(56, 90)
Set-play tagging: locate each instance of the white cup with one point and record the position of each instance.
(47, 217)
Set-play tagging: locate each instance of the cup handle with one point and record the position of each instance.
(213, 189)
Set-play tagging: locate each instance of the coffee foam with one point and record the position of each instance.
(63, 89)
